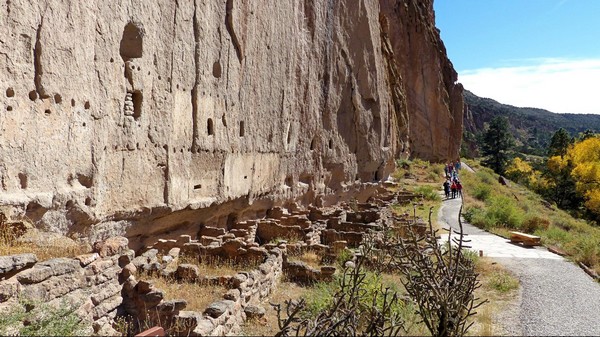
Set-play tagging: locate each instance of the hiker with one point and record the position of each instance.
(445, 171)
(457, 165)
(453, 188)
(459, 188)
(447, 188)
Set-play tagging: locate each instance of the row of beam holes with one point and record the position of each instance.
(210, 127)
(23, 181)
(216, 71)
(10, 92)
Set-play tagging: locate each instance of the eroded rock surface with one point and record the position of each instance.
(151, 118)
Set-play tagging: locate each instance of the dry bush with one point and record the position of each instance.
(19, 237)
(534, 223)
(353, 310)
(310, 257)
(197, 295)
(217, 266)
(440, 280)
(268, 325)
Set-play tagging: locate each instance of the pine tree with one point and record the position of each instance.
(559, 143)
(496, 144)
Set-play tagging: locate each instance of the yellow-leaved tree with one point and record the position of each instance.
(585, 157)
(520, 171)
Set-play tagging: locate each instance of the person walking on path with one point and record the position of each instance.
(453, 188)
(459, 188)
(457, 165)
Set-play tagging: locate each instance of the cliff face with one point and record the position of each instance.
(145, 117)
(434, 99)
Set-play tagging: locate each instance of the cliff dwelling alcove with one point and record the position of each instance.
(131, 47)
(132, 41)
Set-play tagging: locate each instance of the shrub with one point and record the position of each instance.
(319, 298)
(476, 217)
(486, 176)
(432, 177)
(44, 319)
(556, 234)
(534, 223)
(502, 211)
(482, 192)
(428, 193)
(587, 250)
(344, 256)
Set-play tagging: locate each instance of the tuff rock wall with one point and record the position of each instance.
(139, 118)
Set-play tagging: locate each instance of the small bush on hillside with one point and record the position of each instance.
(534, 223)
(320, 297)
(587, 250)
(432, 177)
(481, 192)
(503, 211)
(428, 193)
(486, 176)
(556, 235)
(476, 217)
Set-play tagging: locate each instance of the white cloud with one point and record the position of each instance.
(557, 85)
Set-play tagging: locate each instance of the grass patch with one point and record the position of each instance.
(500, 288)
(217, 266)
(198, 295)
(502, 281)
(311, 258)
(268, 326)
(501, 209)
(45, 246)
(44, 320)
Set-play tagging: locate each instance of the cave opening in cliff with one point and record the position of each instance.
(132, 41)
(137, 99)
(210, 127)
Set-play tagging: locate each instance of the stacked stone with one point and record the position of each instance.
(225, 316)
(91, 283)
(128, 105)
(270, 229)
(247, 228)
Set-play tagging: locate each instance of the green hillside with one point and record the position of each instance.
(531, 127)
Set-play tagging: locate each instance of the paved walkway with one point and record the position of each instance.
(556, 297)
(491, 245)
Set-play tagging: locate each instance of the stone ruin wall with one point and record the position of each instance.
(91, 284)
(148, 119)
(112, 282)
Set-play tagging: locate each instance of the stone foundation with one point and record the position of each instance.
(110, 281)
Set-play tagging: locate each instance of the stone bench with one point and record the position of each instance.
(525, 239)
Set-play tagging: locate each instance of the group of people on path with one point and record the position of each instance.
(452, 185)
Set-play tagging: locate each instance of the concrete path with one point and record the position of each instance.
(491, 245)
(556, 297)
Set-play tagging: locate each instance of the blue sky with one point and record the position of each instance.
(534, 53)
